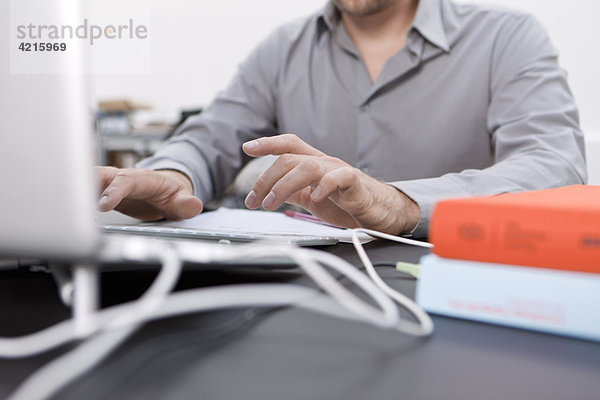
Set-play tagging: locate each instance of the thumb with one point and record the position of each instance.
(182, 206)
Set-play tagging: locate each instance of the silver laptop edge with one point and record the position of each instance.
(46, 158)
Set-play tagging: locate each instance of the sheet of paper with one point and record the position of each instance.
(262, 222)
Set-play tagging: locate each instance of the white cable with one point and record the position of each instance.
(58, 373)
(119, 322)
(424, 327)
(156, 293)
(45, 381)
(85, 298)
(55, 375)
(189, 301)
(390, 311)
(305, 258)
(399, 239)
(60, 333)
(63, 332)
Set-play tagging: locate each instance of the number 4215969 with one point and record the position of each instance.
(42, 46)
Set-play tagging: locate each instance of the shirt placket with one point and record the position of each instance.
(395, 68)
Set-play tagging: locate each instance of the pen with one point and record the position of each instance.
(308, 218)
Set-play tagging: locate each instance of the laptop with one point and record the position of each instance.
(49, 190)
(239, 226)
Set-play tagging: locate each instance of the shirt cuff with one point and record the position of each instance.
(426, 193)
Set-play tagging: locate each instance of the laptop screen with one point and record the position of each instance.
(46, 156)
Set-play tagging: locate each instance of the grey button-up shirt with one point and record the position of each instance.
(474, 104)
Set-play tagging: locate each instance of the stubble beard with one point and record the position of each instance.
(361, 8)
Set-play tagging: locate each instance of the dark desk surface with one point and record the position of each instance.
(293, 354)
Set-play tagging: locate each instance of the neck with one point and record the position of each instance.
(392, 21)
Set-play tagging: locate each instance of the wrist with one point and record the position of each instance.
(408, 215)
(180, 177)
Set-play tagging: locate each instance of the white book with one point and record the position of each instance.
(549, 300)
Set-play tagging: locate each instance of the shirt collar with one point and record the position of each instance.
(428, 21)
(430, 24)
(328, 17)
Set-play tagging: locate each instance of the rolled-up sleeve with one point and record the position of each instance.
(532, 121)
(207, 147)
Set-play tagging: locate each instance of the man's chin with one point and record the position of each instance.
(361, 8)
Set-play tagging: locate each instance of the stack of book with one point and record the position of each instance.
(529, 260)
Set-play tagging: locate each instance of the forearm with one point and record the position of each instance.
(533, 170)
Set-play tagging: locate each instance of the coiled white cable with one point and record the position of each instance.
(58, 373)
(307, 259)
(63, 332)
(133, 313)
(185, 302)
(424, 327)
(116, 323)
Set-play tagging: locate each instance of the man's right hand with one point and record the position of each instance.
(147, 195)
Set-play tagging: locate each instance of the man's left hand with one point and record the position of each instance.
(328, 187)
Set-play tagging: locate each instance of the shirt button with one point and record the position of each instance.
(365, 107)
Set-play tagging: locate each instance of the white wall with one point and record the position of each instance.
(197, 44)
(196, 47)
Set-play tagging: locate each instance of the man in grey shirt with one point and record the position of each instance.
(388, 106)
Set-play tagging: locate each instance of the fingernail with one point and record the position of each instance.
(251, 145)
(102, 202)
(269, 200)
(315, 193)
(250, 199)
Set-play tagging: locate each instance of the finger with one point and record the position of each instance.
(263, 184)
(301, 198)
(344, 187)
(326, 210)
(340, 179)
(277, 145)
(135, 184)
(181, 207)
(308, 172)
(105, 175)
(118, 188)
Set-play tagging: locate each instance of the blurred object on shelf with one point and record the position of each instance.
(128, 131)
(151, 123)
(122, 105)
(113, 123)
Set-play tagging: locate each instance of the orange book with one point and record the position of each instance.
(553, 228)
